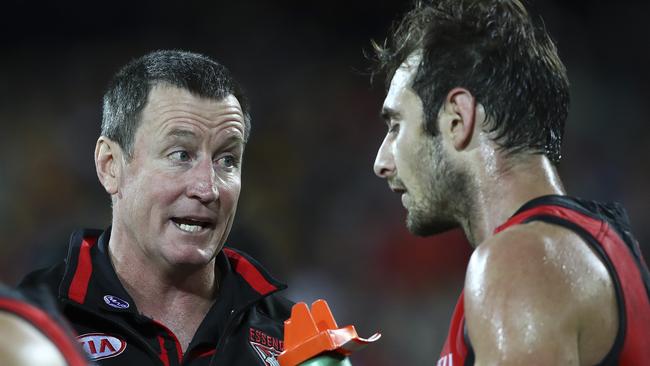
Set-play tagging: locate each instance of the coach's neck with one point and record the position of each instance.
(151, 281)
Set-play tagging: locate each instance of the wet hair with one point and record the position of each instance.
(127, 93)
(494, 49)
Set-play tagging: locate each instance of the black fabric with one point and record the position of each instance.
(225, 337)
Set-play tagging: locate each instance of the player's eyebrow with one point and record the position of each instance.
(388, 114)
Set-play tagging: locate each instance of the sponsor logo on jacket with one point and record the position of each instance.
(115, 302)
(99, 346)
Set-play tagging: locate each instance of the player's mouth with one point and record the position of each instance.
(397, 189)
(192, 225)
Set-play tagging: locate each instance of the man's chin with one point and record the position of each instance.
(428, 228)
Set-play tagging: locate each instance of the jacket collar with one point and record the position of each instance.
(90, 280)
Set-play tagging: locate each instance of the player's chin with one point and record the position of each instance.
(423, 226)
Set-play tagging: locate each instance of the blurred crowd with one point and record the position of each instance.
(311, 208)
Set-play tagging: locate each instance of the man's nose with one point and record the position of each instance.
(384, 162)
(203, 182)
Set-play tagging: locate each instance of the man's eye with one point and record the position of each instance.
(227, 161)
(393, 128)
(180, 155)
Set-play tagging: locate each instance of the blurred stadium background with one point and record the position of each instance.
(311, 208)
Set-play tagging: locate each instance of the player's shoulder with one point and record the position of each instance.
(537, 244)
(18, 335)
(541, 277)
(537, 262)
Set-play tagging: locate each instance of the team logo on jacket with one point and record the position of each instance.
(99, 346)
(115, 302)
(267, 347)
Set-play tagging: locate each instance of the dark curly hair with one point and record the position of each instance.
(495, 50)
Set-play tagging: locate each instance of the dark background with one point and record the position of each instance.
(311, 208)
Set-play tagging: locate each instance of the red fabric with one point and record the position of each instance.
(48, 327)
(198, 353)
(79, 284)
(454, 352)
(179, 349)
(163, 351)
(251, 274)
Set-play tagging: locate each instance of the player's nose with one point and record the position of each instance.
(384, 166)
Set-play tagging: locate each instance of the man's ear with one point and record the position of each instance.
(458, 117)
(108, 163)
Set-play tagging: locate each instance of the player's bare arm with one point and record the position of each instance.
(534, 295)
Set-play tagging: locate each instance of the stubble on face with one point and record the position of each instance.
(443, 199)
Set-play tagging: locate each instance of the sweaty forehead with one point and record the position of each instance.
(404, 75)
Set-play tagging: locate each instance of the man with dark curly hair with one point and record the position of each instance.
(476, 104)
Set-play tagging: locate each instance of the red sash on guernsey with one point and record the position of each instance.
(605, 229)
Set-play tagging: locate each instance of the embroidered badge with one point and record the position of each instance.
(267, 347)
(99, 346)
(115, 302)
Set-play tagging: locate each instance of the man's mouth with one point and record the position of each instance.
(397, 189)
(191, 225)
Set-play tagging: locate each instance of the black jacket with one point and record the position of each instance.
(243, 327)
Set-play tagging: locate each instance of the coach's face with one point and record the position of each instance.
(178, 194)
(412, 161)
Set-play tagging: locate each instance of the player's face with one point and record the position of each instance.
(178, 194)
(412, 161)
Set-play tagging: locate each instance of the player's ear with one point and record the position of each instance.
(108, 163)
(457, 119)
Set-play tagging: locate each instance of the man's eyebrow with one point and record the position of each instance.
(181, 134)
(388, 113)
(234, 140)
(229, 141)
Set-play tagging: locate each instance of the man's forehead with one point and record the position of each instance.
(165, 101)
(402, 80)
(405, 73)
(162, 93)
(176, 113)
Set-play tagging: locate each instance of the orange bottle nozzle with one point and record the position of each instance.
(308, 334)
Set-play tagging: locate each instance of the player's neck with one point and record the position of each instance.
(502, 190)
